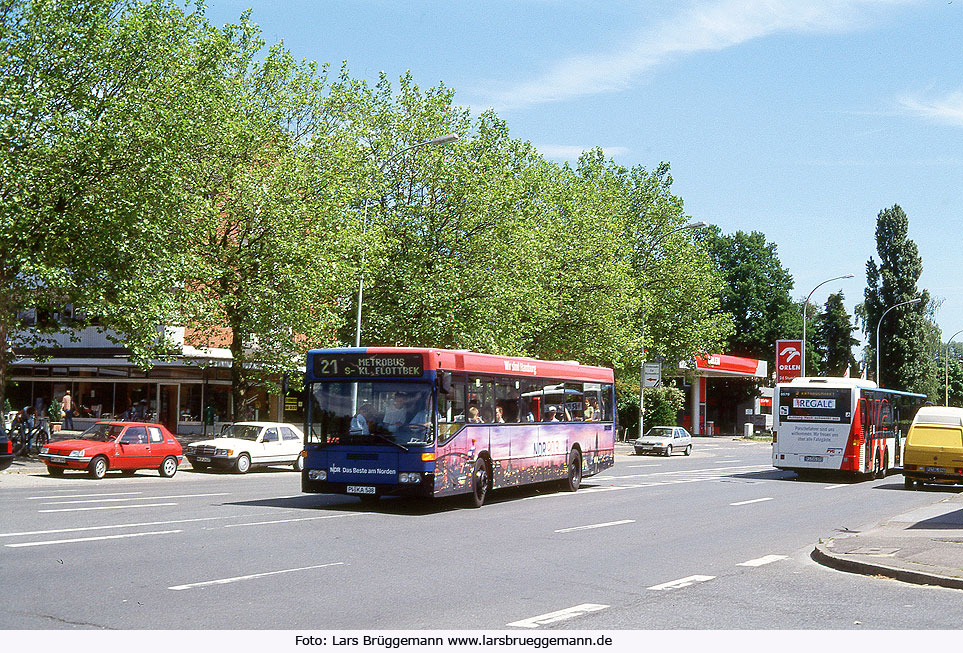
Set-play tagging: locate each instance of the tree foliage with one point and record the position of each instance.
(905, 359)
(834, 339)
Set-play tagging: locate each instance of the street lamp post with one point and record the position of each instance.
(946, 369)
(805, 306)
(433, 142)
(692, 225)
(880, 323)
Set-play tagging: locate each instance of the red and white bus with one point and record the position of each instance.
(433, 422)
(849, 425)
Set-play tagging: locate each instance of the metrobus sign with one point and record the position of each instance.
(788, 360)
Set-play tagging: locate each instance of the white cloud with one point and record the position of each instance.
(947, 110)
(568, 152)
(702, 27)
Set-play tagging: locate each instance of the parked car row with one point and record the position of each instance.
(130, 446)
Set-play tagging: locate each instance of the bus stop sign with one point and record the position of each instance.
(651, 375)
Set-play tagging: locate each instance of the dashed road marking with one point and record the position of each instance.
(74, 496)
(682, 582)
(834, 487)
(172, 496)
(758, 562)
(142, 505)
(746, 503)
(89, 539)
(295, 519)
(591, 526)
(558, 615)
(235, 579)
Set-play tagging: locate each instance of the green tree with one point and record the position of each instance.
(95, 131)
(662, 405)
(905, 358)
(757, 292)
(835, 338)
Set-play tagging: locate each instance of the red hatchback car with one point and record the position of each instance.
(125, 446)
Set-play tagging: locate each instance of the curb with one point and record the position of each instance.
(824, 557)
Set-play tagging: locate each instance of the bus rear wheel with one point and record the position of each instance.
(574, 479)
(481, 483)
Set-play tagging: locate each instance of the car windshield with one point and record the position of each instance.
(102, 432)
(241, 431)
(659, 432)
(374, 412)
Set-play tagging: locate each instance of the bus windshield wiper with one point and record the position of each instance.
(390, 441)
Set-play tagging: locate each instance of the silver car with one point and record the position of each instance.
(663, 440)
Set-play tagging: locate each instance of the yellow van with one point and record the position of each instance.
(934, 447)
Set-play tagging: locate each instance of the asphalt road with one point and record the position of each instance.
(717, 540)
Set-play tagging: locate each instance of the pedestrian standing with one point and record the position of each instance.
(68, 406)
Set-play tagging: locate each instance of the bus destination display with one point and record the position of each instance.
(369, 365)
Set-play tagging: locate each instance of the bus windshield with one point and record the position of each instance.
(371, 412)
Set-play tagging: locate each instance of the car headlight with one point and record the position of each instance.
(224, 452)
(318, 474)
(77, 453)
(45, 450)
(190, 448)
(409, 477)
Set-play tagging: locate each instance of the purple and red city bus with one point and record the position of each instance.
(433, 422)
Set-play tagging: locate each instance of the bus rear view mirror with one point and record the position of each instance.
(444, 382)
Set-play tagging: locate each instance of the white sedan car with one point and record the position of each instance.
(243, 444)
(663, 439)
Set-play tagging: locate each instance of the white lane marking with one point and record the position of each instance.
(235, 579)
(135, 525)
(171, 496)
(638, 466)
(285, 521)
(716, 470)
(758, 562)
(558, 615)
(585, 528)
(74, 496)
(142, 505)
(833, 487)
(746, 503)
(682, 582)
(89, 539)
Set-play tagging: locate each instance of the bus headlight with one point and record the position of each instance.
(318, 474)
(409, 477)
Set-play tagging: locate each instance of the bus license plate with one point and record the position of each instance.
(360, 489)
(935, 470)
(812, 459)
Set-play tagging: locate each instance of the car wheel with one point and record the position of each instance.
(98, 467)
(908, 483)
(688, 449)
(638, 452)
(55, 471)
(243, 464)
(574, 480)
(169, 467)
(481, 483)
(668, 450)
(298, 464)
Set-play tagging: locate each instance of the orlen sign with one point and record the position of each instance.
(788, 360)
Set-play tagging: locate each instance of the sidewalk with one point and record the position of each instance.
(922, 546)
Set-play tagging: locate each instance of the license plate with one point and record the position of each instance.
(360, 489)
(57, 459)
(203, 459)
(935, 470)
(812, 459)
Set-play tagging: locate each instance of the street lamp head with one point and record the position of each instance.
(441, 140)
(695, 225)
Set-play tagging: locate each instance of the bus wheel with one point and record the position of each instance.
(908, 483)
(574, 480)
(877, 467)
(481, 483)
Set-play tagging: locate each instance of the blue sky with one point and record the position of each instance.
(798, 119)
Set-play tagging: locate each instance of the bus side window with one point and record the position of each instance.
(863, 416)
(455, 411)
(606, 402)
(531, 401)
